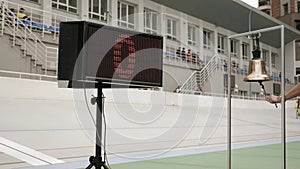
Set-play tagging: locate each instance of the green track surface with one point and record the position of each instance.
(261, 157)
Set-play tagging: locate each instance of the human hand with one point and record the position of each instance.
(273, 99)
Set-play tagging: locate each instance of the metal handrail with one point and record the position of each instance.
(23, 75)
(199, 77)
(38, 15)
(31, 44)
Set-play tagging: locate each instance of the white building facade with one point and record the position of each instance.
(205, 40)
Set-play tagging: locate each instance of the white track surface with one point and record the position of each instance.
(40, 124)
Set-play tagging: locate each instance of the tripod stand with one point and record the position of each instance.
(98, 161)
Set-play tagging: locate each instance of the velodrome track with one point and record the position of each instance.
(41, 124)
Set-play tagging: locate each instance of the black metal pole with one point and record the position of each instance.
(99, 127)
(98, 161)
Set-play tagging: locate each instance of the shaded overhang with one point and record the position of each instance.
(235, 16)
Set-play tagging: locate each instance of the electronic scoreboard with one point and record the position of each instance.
(91, 53)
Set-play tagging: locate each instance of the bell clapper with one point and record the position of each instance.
(265, 93)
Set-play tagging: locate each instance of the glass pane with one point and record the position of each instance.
(131, 14)
(54, 5)
(123, 12)
(169, 27)
(194, 34)
(189, 32)
(62, 7)
(154, 21)
(148, 20)
(72, 10)
(103, 6)
(63, 1)
(90, 5)
(119, 12)
(130, 10)
(96, 6)
(73, 3)
(174, 26)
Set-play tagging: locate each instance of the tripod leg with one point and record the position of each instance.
(90, 166)
(105, 166)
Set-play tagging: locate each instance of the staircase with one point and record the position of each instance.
(200, 77)
(43, 58)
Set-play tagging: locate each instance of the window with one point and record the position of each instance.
(265, 54)
(97, 9)
(265, 2)
(150, 21)
(126, 15)
(245, 51)
(221, 44)
(273, 59)
(286, 8)
(67, 5)
(207, 39)
(297, 24)
(234, 47)
(172, 28)
(298, 6)
(191, 34)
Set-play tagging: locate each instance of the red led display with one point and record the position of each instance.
(124, 71)
(124, 57)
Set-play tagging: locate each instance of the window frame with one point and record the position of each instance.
(273, 58)
(101, 15)
(192, 35)
(69, 8)
(245, 51)
(173, 34)
(153, 17)
(126, 23)
(265, 54)
(207, 39)
(234, 48)
(221, 43)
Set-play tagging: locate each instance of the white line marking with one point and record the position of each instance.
(26, 154)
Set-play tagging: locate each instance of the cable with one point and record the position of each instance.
(105, 160)
(105, 132)
(87, 105)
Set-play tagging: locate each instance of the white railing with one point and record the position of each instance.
(23, 75)
(235, 96)
(44, 21)
(199, 77)
(21, 34)
(172, 53)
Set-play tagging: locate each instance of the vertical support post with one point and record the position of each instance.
(35, 52)
(229, 106)
(25, 41)
(283, 114)
(99, 126)
(46, 61)
(3, 18)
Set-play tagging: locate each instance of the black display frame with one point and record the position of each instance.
(74, 57)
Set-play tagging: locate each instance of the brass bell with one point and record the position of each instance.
(257, 71)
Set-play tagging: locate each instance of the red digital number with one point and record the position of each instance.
(124, 71)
